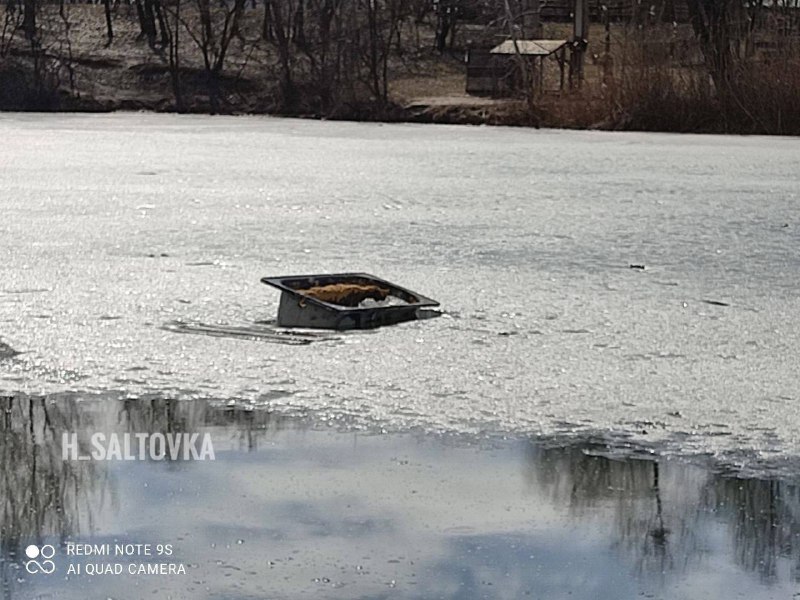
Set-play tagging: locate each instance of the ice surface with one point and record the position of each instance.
(113, 225)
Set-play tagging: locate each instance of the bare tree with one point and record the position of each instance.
(523, 65)
(29, 19)
(711, 21)
(278, 30)
(12, 23)
(382, 23)
(218, 25)
(337, 51)
(151, 21)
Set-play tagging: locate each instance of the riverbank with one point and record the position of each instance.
(73, 67)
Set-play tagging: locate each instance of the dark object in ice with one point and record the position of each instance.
(6, 351)
(339, 301)
(716, 303)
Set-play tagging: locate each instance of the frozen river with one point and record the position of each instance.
(113, 225)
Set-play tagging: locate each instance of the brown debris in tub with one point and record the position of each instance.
(346, 294)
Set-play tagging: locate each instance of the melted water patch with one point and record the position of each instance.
(293, 507)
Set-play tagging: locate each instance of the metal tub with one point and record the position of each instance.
(300, 310)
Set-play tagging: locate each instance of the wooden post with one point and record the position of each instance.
(580, 37)
(541, 75)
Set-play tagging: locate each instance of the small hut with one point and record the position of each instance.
(496, 72)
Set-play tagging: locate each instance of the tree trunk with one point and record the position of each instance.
(109, 29)
(174, 60)
(29, 19)
(266, 25)
(162, 23)
(142, 18)
(709, 20)
(149, 23)
(299, 25)
(282, 41)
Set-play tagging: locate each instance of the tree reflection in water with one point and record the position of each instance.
(665, 511)
(662, 516)
(764, 519)
(42, 495)
(45, 497)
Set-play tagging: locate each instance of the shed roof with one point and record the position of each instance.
(529, 47)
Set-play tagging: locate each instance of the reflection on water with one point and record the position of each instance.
(288, 509)
(645, 523)
(763, 519)
(42, 496)
(664, 513)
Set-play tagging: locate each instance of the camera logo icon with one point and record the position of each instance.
(46, 565)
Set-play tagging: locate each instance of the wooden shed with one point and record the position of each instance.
(496, 72)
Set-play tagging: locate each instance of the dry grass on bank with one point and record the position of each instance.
(754, 99)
